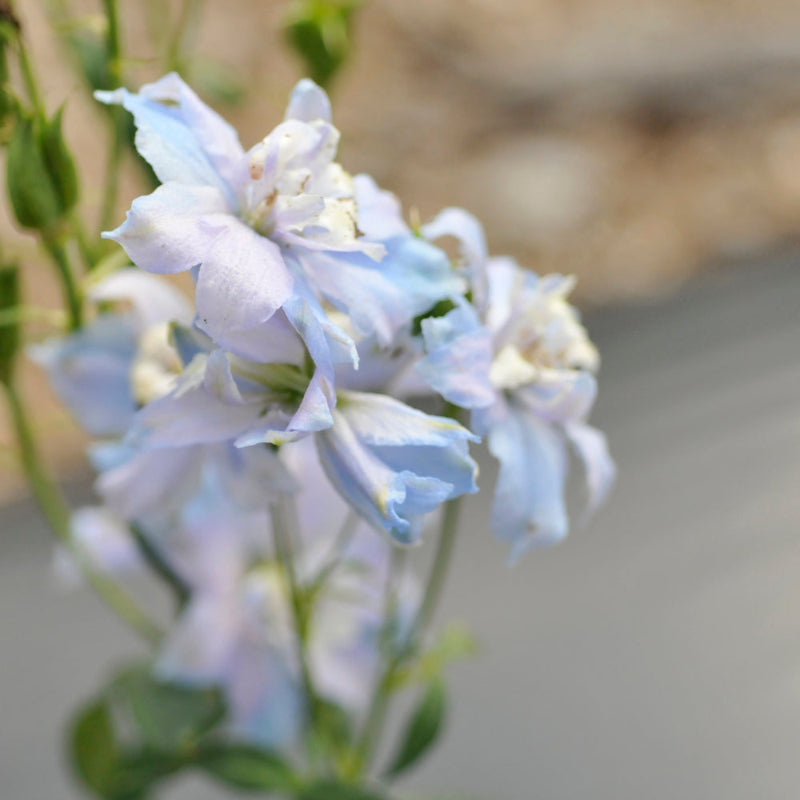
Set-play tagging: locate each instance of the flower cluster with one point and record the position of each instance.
(283, 398)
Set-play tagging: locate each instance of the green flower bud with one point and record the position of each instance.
(60, 163)
(319, 30)
(40, 173)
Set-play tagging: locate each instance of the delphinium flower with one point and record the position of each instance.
(526, 367)
(286, 217)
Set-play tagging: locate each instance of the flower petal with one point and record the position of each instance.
(179, 136)
(592, 447)
(528, 509)
(162, 231)
(308, 102)
(459, 357)
(152, 299)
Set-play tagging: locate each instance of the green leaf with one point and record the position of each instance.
(103, 766)
(92, 748)
(9, 333)
(169, 717)
(424, 727)
(248, 768)
(332, 790)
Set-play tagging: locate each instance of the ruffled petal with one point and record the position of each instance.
(393, 463)
(464, 227)
(179, 136)
(528, 509)
(162, 231)
(592, 447)
(458, 358)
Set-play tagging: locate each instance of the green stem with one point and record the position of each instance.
(283, 527)
(338, 550)
(29, 78)
(439, 569)
(57, 512)
(175, 46)
(118, 116)
(161, 567)
(72, 294)
(379, 706)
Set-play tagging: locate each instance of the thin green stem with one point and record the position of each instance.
(338, 550)
(81, 237)
(175, 46)
(29, 78)
(57, 512)
(72, 293)
(379, 706)
(284, 525)
(108, 202)
(440, 567)
(161, 567)
(379, 703)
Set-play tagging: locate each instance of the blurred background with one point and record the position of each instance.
(652, 149)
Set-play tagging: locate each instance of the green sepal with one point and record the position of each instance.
(247, 768)
(9, 332)
(61, 165)
(169, 718)
(423, 729)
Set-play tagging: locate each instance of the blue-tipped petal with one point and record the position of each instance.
(308, 102)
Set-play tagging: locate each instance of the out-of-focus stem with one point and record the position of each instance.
(440, 567)
(108, 201)
(29, 77)
(57, 512)
(72, 294)
(174, 53)
(284, 526)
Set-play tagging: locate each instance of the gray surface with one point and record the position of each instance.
(655, 654)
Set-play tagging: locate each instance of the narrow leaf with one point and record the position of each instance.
(247, 768)
(423, 728)
(332, 790)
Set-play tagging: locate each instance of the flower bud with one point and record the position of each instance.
(319, 31)
(40, 173)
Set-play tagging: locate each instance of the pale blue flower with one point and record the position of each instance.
(545, 387)
(234, 216)
(90, 370)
